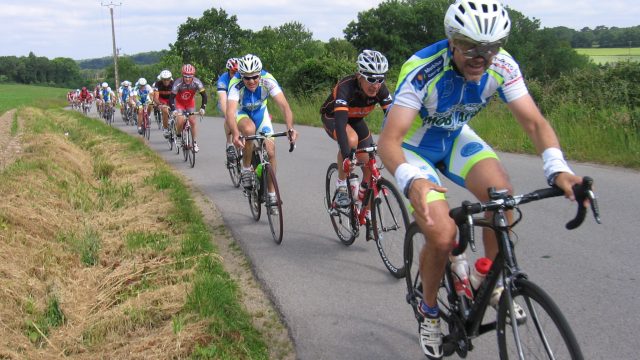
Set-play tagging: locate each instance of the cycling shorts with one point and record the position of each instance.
(454, 157)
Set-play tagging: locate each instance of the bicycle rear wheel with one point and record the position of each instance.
(343, 219)
(274, 211)
(390, 221)
(544, 334)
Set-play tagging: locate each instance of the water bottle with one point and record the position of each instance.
(354, 184)
(259, 171)
(460, 269)
(362, 191)
(479, 272)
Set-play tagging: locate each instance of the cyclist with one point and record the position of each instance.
(96, 96)
(161, 94)
(183, 100)
(247, 112)
(343, 113)
(440, 89)
(85, 95)
(143, 96)
(222, 87)
(106, 96)
(124, 92)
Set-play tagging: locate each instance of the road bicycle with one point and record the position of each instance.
(542, 332)
(265, 176)
(107, 113)
(127, 114)
(389, 216)
(188, 150)
(86, 107)
(146, 122)
(235, 166)
(171, 129)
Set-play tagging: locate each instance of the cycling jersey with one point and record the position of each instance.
(347, 103)
(164, 91)
(106, 94)
(143, 93)
(223, 82)
(446, 101)
(184, 93)
(124, 93)
(254, 104)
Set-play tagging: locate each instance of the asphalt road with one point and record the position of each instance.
(341, 303)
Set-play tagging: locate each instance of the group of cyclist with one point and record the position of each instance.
(439, 90)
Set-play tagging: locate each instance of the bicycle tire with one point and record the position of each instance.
(540, 311)
(390, 220)
(234, 168)
(185, 144)
(343, 219)
(192, 149)
(255, 196)
(147, 127)
(275, 220)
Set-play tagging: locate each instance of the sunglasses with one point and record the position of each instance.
(187, 76)
(373, 79)
(249, 78)
(472, 50)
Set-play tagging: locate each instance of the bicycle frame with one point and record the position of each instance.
(373, 179)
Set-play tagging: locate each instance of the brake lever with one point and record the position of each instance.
(594, 206)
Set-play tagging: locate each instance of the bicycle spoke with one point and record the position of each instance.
(274, 210)
(390, 221)
(342, 218)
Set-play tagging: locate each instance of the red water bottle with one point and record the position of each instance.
(479, 272)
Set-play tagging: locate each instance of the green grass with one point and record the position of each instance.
(13, 96)
(38, 324)
(611, 55)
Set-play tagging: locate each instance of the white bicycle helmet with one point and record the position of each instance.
(105, 85)
(249, 64)
(483, 21)
(142, 81)
(372, 62)
(165, 75)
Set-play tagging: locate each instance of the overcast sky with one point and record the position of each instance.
(81, 29)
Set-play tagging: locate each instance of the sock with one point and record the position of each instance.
(428, 310)
(341, 182)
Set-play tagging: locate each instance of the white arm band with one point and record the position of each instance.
(405, 174)
(554, 162)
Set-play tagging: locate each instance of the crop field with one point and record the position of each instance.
(609, 55)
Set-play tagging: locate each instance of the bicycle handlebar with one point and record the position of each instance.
(264, 135)
(462, 215)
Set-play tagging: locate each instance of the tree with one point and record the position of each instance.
(209, 41)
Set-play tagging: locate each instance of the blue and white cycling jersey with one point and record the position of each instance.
(446, 102)
(143, 93)
(254, 104)
(124, 93)
(223, 82)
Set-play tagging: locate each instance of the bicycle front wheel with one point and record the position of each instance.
(234, 168)
(390, 221)
(147, 128)
(544, 333)
(255, 193)
(343, 219)
(274, 209)
(186, 144)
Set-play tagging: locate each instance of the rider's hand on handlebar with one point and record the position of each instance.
(418, 191)
(566, 181)
(293, 135)
(348, 166)
(237, 141)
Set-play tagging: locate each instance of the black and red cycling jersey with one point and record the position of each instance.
(348, 104)
(164, 91)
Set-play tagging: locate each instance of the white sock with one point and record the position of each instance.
(341, 182)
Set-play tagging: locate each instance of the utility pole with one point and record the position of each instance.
(113, 37)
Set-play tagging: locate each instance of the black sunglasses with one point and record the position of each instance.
(254, 77)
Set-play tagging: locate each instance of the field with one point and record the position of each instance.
(12, 96)
(609, 55)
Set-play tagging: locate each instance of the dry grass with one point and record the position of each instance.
(124, 306)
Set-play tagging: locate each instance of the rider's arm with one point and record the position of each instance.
(222, 102)
(283, 104)
(409, 178)
(172, 101)
(203, 93)
(546, 142)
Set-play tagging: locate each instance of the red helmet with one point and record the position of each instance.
(84, 88)
(188, 70)
(232, 64)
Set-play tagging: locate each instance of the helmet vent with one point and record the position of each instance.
(459, 20)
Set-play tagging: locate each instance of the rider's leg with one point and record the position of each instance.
(247, 127)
